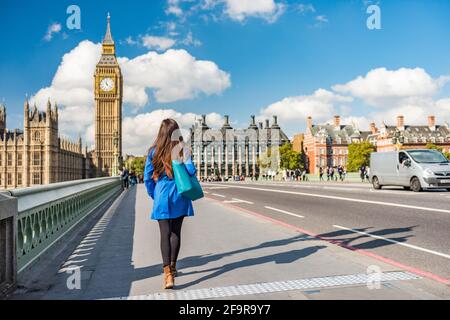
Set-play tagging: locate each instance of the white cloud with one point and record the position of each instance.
(321, 19)
(190, 41)
(174, 8)
(172, 76)
(139, 132)
(238, 10)
(407, 92)
(320, 106)
(381, 86)
(267, 9)
(305, 8)
(157, 43)
(52, 29)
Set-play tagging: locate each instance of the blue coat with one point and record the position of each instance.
(167, 204)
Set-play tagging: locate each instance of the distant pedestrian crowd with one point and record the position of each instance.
(333, 173)
(129, 178)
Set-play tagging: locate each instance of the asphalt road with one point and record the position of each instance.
(406, 227)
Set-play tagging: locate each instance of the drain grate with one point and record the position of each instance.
(270, 287)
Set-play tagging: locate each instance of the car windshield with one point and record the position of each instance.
(427, 156)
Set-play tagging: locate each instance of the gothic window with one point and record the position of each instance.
(1, 162)
(19, 179)
(9, 159)
(36, 158)
(19, 159)
(9, 179)
(37, 136)
(36, 178)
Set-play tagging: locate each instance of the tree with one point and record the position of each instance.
(432, 146)
(290, 159)
(136, 165)
(358, 155)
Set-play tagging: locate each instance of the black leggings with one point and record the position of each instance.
(170, 239)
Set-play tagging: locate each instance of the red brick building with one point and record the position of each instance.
(327, 144)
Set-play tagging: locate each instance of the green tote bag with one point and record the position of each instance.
(187, 185)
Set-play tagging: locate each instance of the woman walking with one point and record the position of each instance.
(169, 207)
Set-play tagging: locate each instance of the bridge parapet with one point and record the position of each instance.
(46, 213)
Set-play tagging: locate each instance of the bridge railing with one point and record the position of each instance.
(46, 213)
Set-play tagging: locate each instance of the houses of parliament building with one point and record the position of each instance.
(37, 155)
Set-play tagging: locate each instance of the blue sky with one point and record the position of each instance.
(276, 59)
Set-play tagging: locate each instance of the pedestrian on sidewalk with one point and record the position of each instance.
(125, 179)
(169, 207)
(321, 174)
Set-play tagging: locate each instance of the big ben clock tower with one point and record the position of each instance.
(108, 109)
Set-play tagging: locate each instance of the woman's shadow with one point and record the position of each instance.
(278, 258)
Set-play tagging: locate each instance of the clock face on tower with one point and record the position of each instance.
(107, 84)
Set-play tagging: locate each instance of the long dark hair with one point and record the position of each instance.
(166, 143)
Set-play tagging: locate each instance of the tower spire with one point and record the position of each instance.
(108, 37)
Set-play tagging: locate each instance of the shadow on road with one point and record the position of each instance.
(347, 238)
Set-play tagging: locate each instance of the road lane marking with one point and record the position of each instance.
(389, 204)
(366, 253)
(394, 241)
(235, 200)
(285, 212)
(218, 195)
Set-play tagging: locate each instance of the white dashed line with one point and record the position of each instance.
(218, 195)
(235, 200)
(285, 212)
(395, 242)
(389, 204)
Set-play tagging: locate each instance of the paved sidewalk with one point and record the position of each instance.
(226, 253)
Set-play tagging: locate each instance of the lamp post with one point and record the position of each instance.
(398, 139)
(115, 171)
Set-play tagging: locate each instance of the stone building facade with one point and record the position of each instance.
(37, 155)
(108, 89)
(228, 152)
(414, 136)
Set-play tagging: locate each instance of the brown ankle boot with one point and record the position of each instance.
(173, 269)
(168, 278)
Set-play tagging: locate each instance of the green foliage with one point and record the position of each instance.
(136, 165)
(290, 159)
(358, 155)
(432, 146)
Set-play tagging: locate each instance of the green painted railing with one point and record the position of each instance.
(46, 213)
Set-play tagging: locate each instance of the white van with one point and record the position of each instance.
(412, 169)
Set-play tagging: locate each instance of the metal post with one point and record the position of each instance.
(8, 235)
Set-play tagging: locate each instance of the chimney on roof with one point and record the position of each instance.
(373, 128)
(337, 122)
(275, 123)
(432, 123)
(260, 125)
(267, 124)
(227, 120)
(203, 118)
(309, 123)
(401, 122)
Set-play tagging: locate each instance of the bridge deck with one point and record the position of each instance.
(222, 248)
